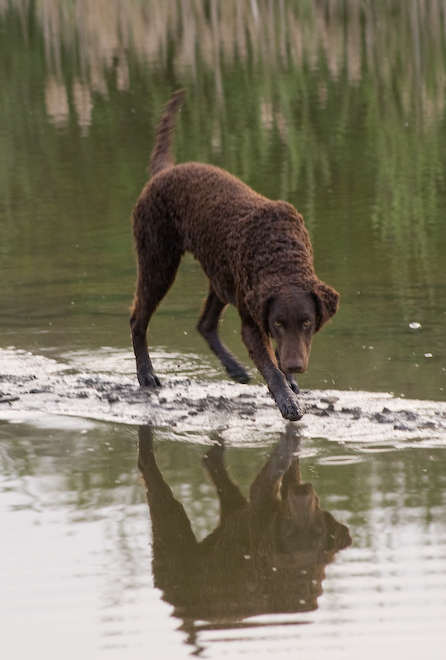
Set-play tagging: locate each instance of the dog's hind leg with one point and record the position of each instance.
(139, 321)
(208, 327)
(154, 281)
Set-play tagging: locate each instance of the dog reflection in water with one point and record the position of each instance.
(268, 553)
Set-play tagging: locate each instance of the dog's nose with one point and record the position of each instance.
(295, 366)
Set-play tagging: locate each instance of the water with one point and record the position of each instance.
(340, 110)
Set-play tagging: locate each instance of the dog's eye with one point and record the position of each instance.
(278, 324)
(307, 323)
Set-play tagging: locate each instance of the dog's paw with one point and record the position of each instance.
(240, 375)
(290, 408)
(235, 370)
(292, 383)
(149, 379)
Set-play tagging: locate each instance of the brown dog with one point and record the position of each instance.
(256, 253)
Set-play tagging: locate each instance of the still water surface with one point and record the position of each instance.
(340, 110)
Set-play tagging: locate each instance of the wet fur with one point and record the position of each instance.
(256, 253)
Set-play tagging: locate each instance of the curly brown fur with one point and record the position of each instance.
(256, 253)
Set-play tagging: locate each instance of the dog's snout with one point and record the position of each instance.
(295, 366)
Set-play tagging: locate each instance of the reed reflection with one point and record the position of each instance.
(267, 554)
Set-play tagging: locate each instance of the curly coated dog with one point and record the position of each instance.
(256, 253)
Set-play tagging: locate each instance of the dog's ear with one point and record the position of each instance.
(250, 302)
(327, 302)
(258, 306)
(266, 307)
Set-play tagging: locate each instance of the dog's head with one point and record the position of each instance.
(292, 316)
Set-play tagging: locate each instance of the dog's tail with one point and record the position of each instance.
(161, 156)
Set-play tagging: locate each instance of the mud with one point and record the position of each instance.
(35, 388)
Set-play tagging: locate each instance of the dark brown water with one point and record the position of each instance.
(335, 107)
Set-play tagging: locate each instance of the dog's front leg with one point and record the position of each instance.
(208, 327)
(262, 354)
